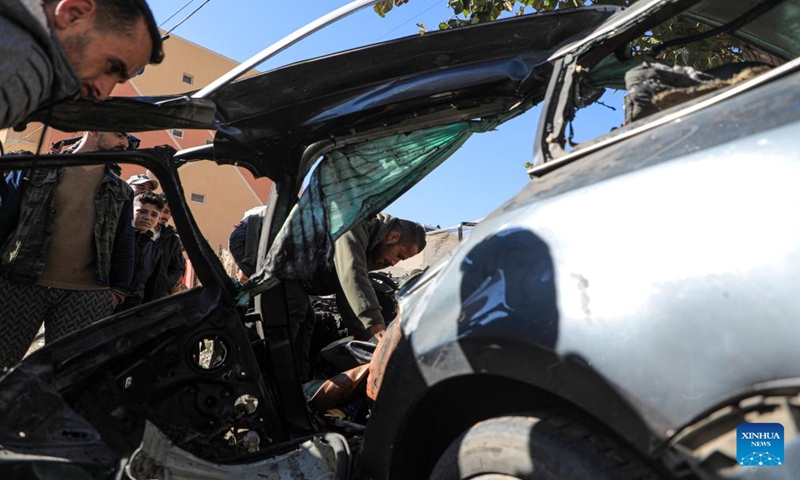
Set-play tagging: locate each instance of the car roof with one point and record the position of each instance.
(774, 26)
(401, 85)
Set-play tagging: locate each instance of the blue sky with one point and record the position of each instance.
(477, 179)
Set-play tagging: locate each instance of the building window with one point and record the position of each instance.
(188, 79)
(177, 133)
(198, 197)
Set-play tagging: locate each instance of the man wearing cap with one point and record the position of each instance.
(66, 248)
(142, 183)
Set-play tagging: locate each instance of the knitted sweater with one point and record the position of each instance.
(34, 70)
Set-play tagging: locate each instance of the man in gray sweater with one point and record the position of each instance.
(54, 50)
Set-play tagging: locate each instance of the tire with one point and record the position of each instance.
(544, 447)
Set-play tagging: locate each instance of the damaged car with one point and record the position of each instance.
(621, 316)
(201, 384)
(618, 318)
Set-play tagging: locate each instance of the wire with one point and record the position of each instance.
(436, 2)
(45, 126)
(23, 138)
(177, 12)
(187, 17)
(41, 139)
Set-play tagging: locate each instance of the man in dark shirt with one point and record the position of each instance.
(173, 265)
(147, 208)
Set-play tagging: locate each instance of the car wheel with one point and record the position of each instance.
(542, 447)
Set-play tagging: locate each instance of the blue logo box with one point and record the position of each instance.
(759, 444)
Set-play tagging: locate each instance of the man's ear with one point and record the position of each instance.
(74, 13)
(391, 237)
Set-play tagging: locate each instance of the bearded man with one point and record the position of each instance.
(56, 50)
(66, 247)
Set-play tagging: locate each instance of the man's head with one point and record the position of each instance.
(404, 240)
(142, 183)
(102, 142)
(146, 210)
(166, 214)
(106, 41)
(88, 142)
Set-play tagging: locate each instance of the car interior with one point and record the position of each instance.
(659, 68)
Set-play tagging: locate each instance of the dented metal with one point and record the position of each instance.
(159, 458)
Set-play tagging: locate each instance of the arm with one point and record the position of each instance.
(176, 265)
(123, 254)
(350, 258)
(10, 201)
(152, 280)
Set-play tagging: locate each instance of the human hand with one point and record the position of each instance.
(116, 299)
(377, 330)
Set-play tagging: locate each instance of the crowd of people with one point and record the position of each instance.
(79, 243)
(70, 254)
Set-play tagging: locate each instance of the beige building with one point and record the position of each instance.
(217, 195)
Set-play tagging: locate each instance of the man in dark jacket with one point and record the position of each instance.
(146, 211)
(66, 249)
(55, 50)
(173, 265)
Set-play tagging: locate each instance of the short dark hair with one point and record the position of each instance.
(411, 233)
(120, 16)
(152, 198)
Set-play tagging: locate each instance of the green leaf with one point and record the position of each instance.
(457, 6)
(382, 8)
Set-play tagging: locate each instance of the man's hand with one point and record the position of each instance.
(377, 330)
(116, 299)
